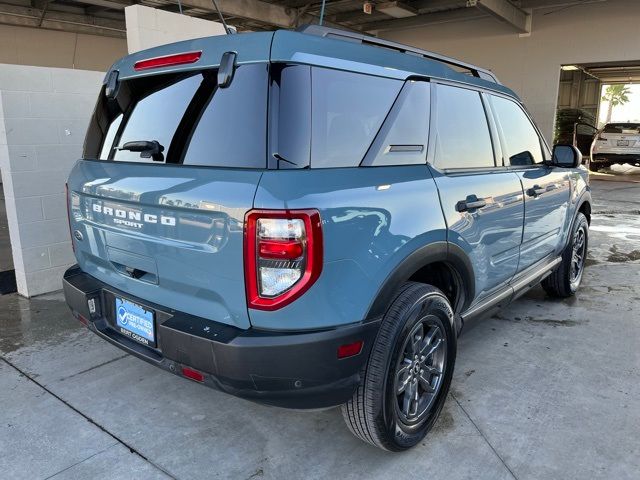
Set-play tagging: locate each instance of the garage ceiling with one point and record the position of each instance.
(106, 17)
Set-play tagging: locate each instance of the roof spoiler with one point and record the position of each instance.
(377, 42)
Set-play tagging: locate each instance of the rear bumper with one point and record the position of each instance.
(286, 369)
(611, 158)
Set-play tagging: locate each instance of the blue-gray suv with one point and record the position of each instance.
(308, 219)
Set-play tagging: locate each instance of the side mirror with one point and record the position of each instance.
(566, 156)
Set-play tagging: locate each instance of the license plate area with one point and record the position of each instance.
(135, 321)
(623, 143)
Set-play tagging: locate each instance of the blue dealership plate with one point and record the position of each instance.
(135, 321)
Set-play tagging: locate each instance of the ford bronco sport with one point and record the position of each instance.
(308, 219)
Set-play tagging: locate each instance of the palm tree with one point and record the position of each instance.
(615, 95)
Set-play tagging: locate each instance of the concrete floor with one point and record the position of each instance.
(546, 389)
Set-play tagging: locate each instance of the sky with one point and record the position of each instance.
(629, 112)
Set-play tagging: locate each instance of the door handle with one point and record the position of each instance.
(536, 191)
(470, 203)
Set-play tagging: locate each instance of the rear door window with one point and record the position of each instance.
(462, 138)
(194, 121)
(347, 112)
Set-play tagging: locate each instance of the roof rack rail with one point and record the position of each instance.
(368, 40)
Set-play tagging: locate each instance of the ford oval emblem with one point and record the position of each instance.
(78, 235)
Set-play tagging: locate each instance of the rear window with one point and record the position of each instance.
(194, 121)
(622, 128)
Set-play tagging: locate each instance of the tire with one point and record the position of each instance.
(419, 318)
(564, 281)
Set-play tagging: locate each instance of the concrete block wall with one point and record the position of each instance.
(44, 113)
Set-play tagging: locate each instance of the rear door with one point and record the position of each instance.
(167, 225)
(482, 201)
(546, 188)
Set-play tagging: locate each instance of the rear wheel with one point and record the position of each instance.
(408, 373)
(565, 279)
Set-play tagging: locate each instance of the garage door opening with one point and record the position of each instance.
(7, 272)
(601, 103)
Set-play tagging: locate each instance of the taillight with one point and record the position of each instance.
(68, 198)
(167, 61)
(283, 256)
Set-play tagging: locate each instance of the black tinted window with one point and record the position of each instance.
(156, 117)
(291, 113)
(520, 137)
(347, 112)
(462, 133)
(403, 138)
(232, 130)
(196, 122)
(621, 128)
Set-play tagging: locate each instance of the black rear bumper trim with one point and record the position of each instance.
(289, 369)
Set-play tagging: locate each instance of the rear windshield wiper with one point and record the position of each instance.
(148, 149)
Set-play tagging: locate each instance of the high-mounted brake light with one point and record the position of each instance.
(283, 256)
(167, 61)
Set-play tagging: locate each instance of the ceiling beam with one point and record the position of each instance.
(462, 14)
(114, 4)
(62, 21)
(506, 12)
(248, 9)
(535, 4)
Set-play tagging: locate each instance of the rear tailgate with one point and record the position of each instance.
(171, 165)
(620, 138)
(170, 235)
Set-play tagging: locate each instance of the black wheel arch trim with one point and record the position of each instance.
(437, 252)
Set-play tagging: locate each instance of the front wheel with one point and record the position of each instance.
(406, 379)
(565, 279)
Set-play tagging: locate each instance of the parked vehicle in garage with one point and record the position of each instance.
(306, 219)
(616, 143)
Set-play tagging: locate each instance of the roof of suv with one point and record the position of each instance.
(319, 46)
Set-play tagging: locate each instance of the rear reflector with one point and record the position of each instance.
(193, 374)
(350, 349)
(167, 61)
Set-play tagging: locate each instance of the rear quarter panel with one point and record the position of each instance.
(580, 193)
(372, 218)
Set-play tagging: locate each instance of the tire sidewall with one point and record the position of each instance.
(432, 303)
(580, 222)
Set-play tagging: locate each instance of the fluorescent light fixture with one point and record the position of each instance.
(397, 9)
(569, 68)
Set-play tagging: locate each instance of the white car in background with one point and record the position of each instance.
(616, 143)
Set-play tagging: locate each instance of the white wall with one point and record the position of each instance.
(44, 113)
(597, 32)
(148, 27)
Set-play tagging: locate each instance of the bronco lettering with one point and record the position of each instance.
(135, 217)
